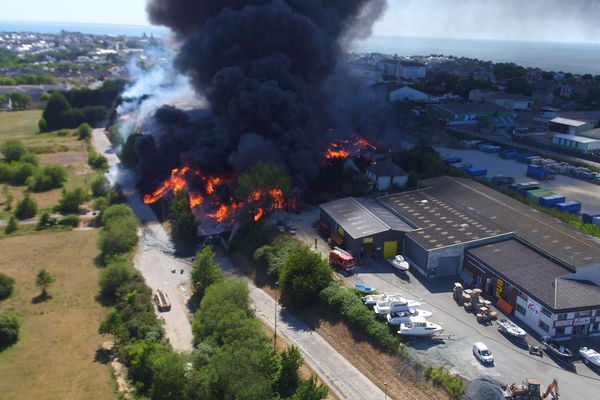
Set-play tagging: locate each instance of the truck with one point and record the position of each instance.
(340, 258)
(538, 172)
(162, 301)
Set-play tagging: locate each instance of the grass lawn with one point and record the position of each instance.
(54, 357)
(19, 123)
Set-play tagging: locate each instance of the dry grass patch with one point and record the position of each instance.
(54, 358)
(19, 123)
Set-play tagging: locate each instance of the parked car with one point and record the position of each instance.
(482, 353)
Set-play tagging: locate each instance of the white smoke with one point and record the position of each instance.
(154, 85)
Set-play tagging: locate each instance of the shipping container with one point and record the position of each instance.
(588, 217)
(551, 201)
(523, 156)
(462, 166)
(537, 172)
(452, 160)
(503, 180)
(508, 154)
(571, 207)
(536, 195)
(523, 188)
(477, 171)
(491, 149)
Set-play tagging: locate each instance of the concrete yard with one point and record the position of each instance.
(574, 189)
(512, 363)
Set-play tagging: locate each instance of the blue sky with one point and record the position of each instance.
(545, 20)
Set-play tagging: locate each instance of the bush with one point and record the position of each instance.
(45, 222)
(119, 234)
(12, 226)
(357, 314)
(205, 271)
(113, 277)
(440, 377)
(100, 186)
(71, 220)
(47, 178)
(16, 172)
(70, 201)
(9, 330)
(42, 125)
(302, 277)
(6, 286)
(97, 161)
(26, 208)
(84, 132)
(13, 150)
(272, 257)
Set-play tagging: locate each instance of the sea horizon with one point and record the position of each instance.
(83, 27)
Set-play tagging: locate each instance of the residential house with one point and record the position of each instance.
(386, 173)
(407, 93)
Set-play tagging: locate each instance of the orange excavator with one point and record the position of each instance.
(531, 390)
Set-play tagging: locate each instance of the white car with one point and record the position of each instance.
(482, 353)
(399, 263)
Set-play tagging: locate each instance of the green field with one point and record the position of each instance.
(19, 123)
(55, 356)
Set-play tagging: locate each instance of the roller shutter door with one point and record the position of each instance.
(448, 266)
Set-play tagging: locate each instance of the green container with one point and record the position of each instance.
(536, 195)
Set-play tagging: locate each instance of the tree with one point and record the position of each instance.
(42, 125)
(113, 277)
(8, 198)
(9, 330)
(84, 132)
(289, 377)
(47, 178)
(205, 270)
(310, 390)
(70, 201)
(118, 237)
(20, 100)
(302, 277)
(100, 186)
(168, 369)
(128, 156)
(53, 111)
(44, 222)
(12, 226)
(43, 280)
(184, 223)
(26, 208)
(112, 325)
(13, 150)
(6, 286)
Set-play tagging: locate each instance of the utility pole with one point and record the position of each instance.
(385, 384)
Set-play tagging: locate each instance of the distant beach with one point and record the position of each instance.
(92, 29)
(577, 58)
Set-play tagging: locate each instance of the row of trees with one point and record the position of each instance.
(27, 79)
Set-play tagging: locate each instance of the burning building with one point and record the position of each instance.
(272, 76)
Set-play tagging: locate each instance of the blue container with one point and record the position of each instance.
(551, 201)
(596, 221)
(490, 148)
(588, 217)
(537, 172)
(571, 207)
(452, 160)
(508, 154)
(521, 157)
(477, 171)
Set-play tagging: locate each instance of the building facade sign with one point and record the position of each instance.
(499, 287)
(581, 321)
(564, 322)
(532, 308)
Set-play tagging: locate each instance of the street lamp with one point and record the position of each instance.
(276, 301)
(385, 384)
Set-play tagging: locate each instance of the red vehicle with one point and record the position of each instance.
(342, 259)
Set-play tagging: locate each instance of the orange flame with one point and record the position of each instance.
(220, 214)
(331, 154)
(195, 198)
(258, 214)
(175, 183)
(211, 183)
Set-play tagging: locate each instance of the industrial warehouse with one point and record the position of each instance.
(538, 269)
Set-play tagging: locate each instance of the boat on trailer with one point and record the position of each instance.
(406, 316)
(508, 327)
(590, 356)
(372, 299)
(419, 327)
(557, 349)
(394, 305)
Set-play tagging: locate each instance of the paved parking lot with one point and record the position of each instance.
(512, 362)
(574, 189)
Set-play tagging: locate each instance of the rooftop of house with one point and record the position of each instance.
(569, 122)
(577, 138)
(411, 64)
(386, 167)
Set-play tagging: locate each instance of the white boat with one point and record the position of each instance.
(407, 316)
(510, 328)
(399, 262)
(590, 355)
(419, 327)
(372, 299)
(395, 305)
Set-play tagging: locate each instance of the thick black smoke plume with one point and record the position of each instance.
(271, 72)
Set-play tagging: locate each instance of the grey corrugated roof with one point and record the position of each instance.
(363, 217)
(538, 276)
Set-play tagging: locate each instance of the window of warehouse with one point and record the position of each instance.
(520, 309)
(546, 313)
(544, 326)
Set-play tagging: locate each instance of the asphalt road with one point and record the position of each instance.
(574, 189)
(154, 257)
(512, 363)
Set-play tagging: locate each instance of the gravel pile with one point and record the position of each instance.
(483, 389)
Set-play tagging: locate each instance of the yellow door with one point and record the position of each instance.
(389, 249)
